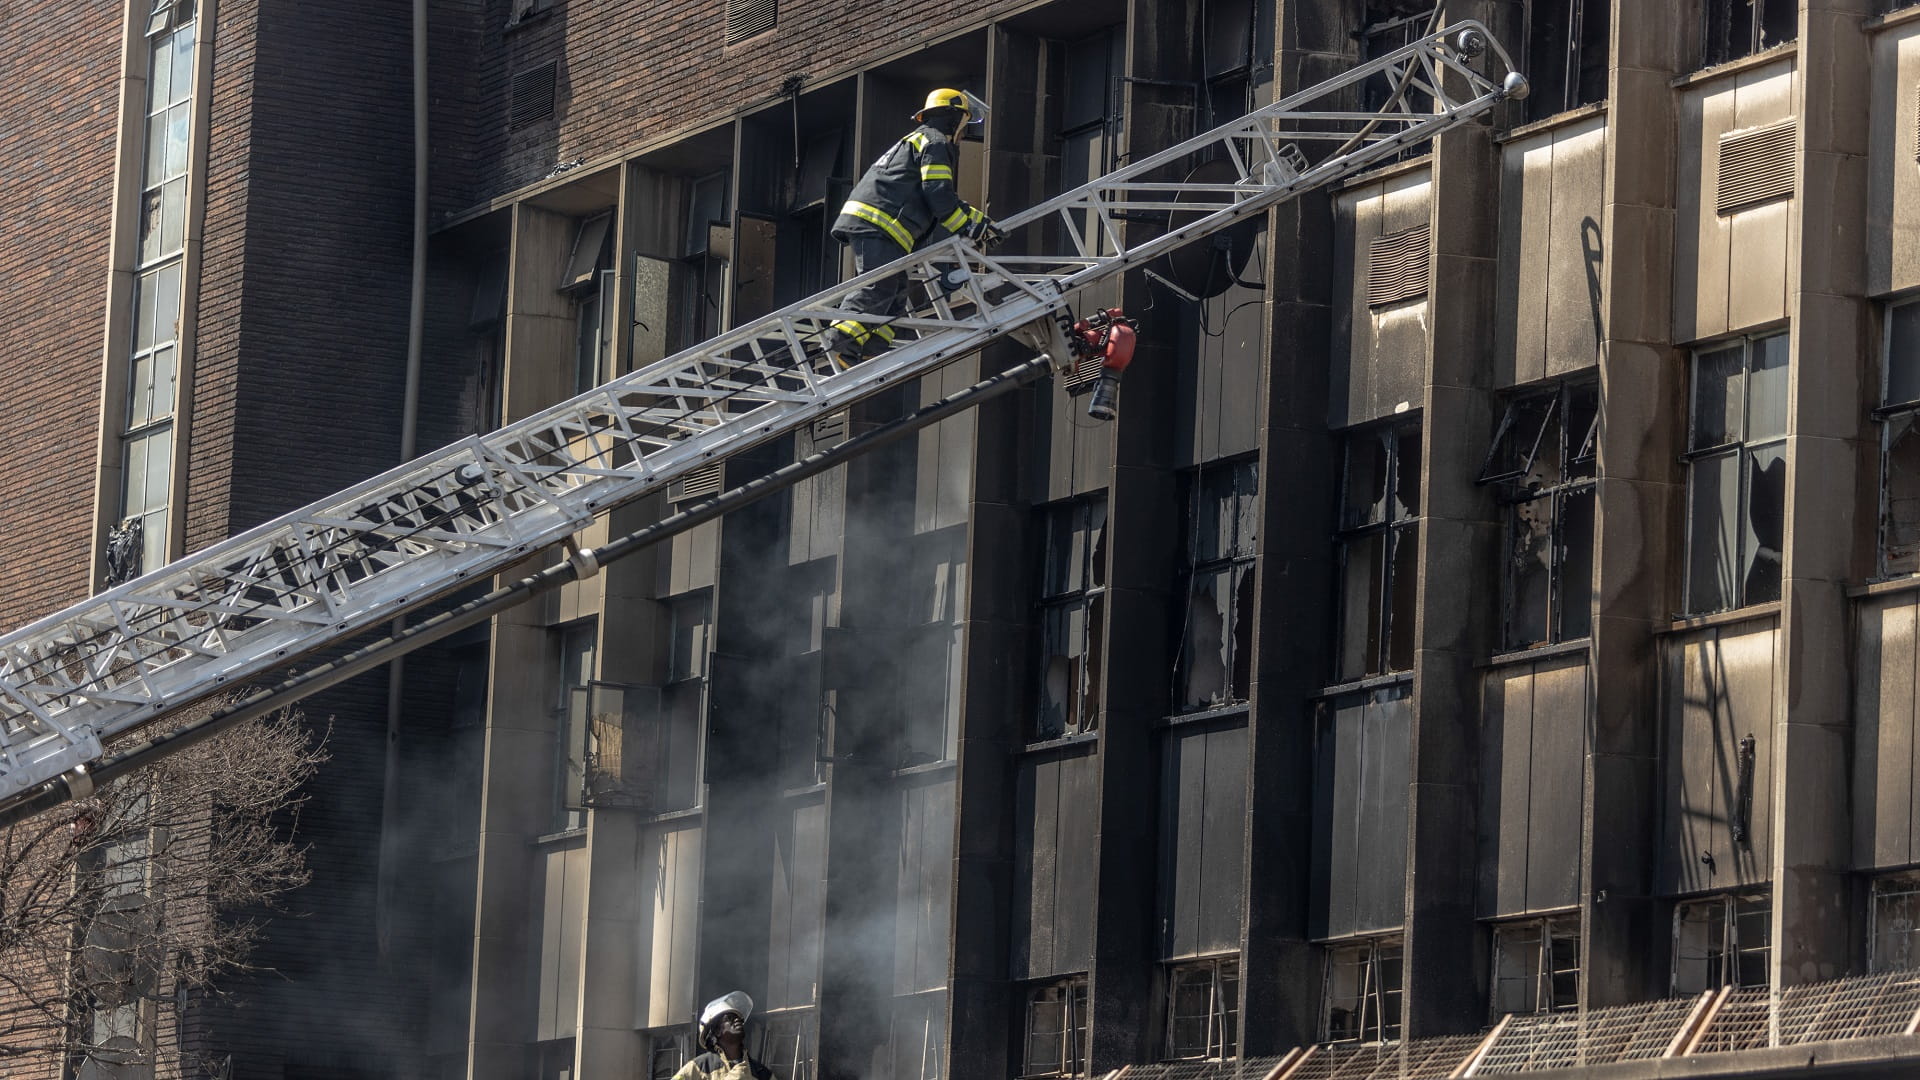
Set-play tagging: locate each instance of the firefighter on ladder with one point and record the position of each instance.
(722, 1034)
(907, 199)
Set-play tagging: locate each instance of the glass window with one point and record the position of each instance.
(1056, 1029)
(1566, 55)
(1736, 474)
(1203, 1010)
(1737, 28)
(1361, 1000)
(1899, 442)
(1722, 940)
(666, 1052)
(786, 1045)
(1378, 549)
(1893, 927)
(917, 1037)
(1215, 639)
(1073, 580)
(1536, 965)
(576, 645)
(1542, 465)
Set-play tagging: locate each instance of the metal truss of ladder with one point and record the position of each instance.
(319, 575)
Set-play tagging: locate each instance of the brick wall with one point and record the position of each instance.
(56, 189)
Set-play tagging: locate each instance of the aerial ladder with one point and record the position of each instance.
(78, 687)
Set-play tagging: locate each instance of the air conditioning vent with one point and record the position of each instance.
(1397, 266)
(1756, 167)
(533, 94)
(745, 18)
(829, 430)
(698, 484)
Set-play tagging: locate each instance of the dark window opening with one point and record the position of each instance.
(1737, 28)
(1377, 548)
(576, 646)
(917, 1037)
(1566, 55)
(1720, 941)
(936, 643)
(1736, 474)
(1073, 580)
(666, 1052)
(1536, 965)
(588, 276)
(1203, 1010)
(1361, 999)
(786, 1044)
(1214, 665)
(1900, 442)
(1056, 1029)
(1389, 26)
(1542, 464)
(1893, 927)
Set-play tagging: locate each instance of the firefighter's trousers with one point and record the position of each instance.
(854, 340)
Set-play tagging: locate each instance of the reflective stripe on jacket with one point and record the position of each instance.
(714, 1066)
(908, 192)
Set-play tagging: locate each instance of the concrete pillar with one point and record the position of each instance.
(1831, 475)
(1637, 511)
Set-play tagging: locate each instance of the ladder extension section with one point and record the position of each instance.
(384, 547)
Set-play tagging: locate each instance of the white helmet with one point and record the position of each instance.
(737, 1002)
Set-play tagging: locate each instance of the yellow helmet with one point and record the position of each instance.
(975, 109)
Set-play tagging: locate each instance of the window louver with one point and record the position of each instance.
(830, 430)
(745, 18)
(698, 484)
(1397, 266)
(1916, 127)
(1756, 167)
(533, 94)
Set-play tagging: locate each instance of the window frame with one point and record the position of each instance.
(1888, 415)
(1235, 560)
(1578, 478)
(793, 1025)
(1724, 966)
(1374, 953)
(1742, 447)
(576, 645)
(1546, 931)
(1712, 54)
(1083, 704)
(1393, 529)
(1073, 1033)
(1223, 1008)
(1580, 37)
(1880, 887)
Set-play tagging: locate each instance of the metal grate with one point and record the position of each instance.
(697, 484)
(1421, 1059)
(745, 18)
(1756, 166)
(1856, 1008)
(533, 94)
(1598, 1037)
(1397, 266)
(1916, 126)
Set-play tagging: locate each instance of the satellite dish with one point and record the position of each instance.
(1206, 267)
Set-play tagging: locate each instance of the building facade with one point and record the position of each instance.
(1493, 609)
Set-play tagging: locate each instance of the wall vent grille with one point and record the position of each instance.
(697, 484)
(745, 18)
(533, 94)
(1397, 266)
(829, 430)
(1916, 126)
(1756, 167)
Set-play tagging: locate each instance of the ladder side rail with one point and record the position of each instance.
(321, 573)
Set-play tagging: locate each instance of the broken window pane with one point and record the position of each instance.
(1766, 499)
(1365, 497)
(1400, 624)
(1902, 366)
(1536, 965)
(1056, 1025)
(1900, 479)
(1530, 573)
(1767, 389)
(1737, 28)
(1719, 941)
(1521, 435)
(1717, 398)
(1203, 1010)
(1361, 1000)
(1073, 572)
(1406, 488)
(1363, 578)
(1215, 636)
(1573, 580)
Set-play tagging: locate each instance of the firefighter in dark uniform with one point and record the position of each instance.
(723, 1043)
(906, 200)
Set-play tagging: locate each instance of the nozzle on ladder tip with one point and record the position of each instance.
(1105, 404)
(1516, 85)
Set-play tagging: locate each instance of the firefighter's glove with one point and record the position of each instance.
(984, 234)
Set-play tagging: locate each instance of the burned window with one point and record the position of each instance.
(1893, 923)
(588, 277)
(1899, 417)
(1737, 28)
(1721, 940)
(936, 643)
(666, 1052)
(1203, 1010)
(1215, 639)
(1073, 585)
(1361, 999)
(1566, 55)
(917, 1037)
(1736, 463)
(1378, 549)
(786, 1044)
(1390, 26)
(1536, 965)
(1542, 466)
(683, 700)
(575, 645)
(1056, 1029)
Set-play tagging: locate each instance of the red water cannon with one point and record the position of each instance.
(1108, 336)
